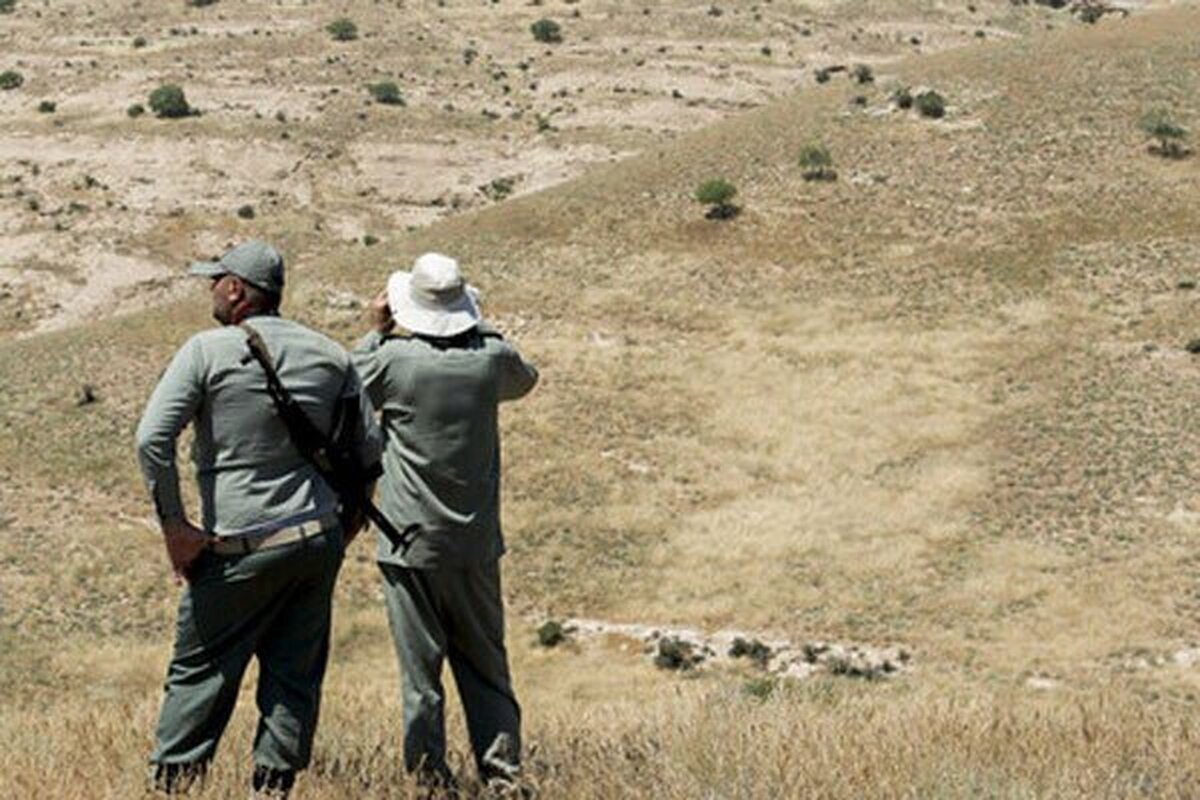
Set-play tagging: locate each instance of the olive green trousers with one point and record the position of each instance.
(273, 604)
(456, 615)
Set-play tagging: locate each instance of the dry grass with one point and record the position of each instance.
(942, 402)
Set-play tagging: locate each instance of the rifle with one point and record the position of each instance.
(333, 462)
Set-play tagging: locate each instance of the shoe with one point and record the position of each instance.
(275, 784)
(178, 779)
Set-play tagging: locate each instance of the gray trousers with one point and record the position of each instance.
(454, 614)
(273, 604)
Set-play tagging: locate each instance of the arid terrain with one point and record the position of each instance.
(939, 405)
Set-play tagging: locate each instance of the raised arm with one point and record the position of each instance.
(517, 376)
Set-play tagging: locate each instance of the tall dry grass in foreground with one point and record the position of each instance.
(702, 738)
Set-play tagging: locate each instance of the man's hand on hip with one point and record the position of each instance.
(185, 542)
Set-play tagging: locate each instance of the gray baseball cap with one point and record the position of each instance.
(254, 261)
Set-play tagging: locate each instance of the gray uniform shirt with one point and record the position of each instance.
(441, 460)
(251, 478)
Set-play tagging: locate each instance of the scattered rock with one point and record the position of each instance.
(1187, 657)
(343, 300)
(686, 649)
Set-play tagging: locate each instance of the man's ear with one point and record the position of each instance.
(236, 291)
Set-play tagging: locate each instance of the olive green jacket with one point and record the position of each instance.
(251, 477)
(441, 459)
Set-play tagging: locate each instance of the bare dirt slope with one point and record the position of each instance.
(98, 209)
(942, 402)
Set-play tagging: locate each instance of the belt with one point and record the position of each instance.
(248, 543)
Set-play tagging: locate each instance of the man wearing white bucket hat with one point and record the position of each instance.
(437, 383)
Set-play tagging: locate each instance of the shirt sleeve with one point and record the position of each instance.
(368, 439)
(172, 405)
(517, 376)
(371, 367)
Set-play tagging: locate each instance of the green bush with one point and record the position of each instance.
(817, 163)
(930, 104)
(717, 194)
(864, 74)
(201, 3)
(342, 29)
(47, 107)
(169, 102)
(676, 654)
(499, 188)
(1167, 132)
(752, 649)
(386, 92)
(551, 633)
(546, 31)
(7, 6)
(903, 98)
(135, 110)
(11, 79)
(139, 42)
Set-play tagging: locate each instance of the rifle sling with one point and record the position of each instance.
(312, 444)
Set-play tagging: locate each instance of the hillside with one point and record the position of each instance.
(940, 402)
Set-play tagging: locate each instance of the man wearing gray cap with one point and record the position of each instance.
(438, 385)
(261, 566)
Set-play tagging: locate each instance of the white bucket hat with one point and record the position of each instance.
(433, 299)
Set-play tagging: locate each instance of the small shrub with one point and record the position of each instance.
(1167, 132)
(551, 633)
(342, 29)
(201, 3)
(47, 107)
(930, 104)
(370, 240)
(139, 42)
(546, 31)
(863, 74)
(759, 688)
(7, 6)
(135, 110)
(499, 188)
(903, 98)
(717, 194)
(821, 76)
(11, 79)
(817, 163)
(169, 102)
(676, 654)
(246, 211)
(386, 92)
(752, 649)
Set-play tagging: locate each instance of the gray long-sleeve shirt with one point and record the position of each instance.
(441, 459)
(250, 475)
